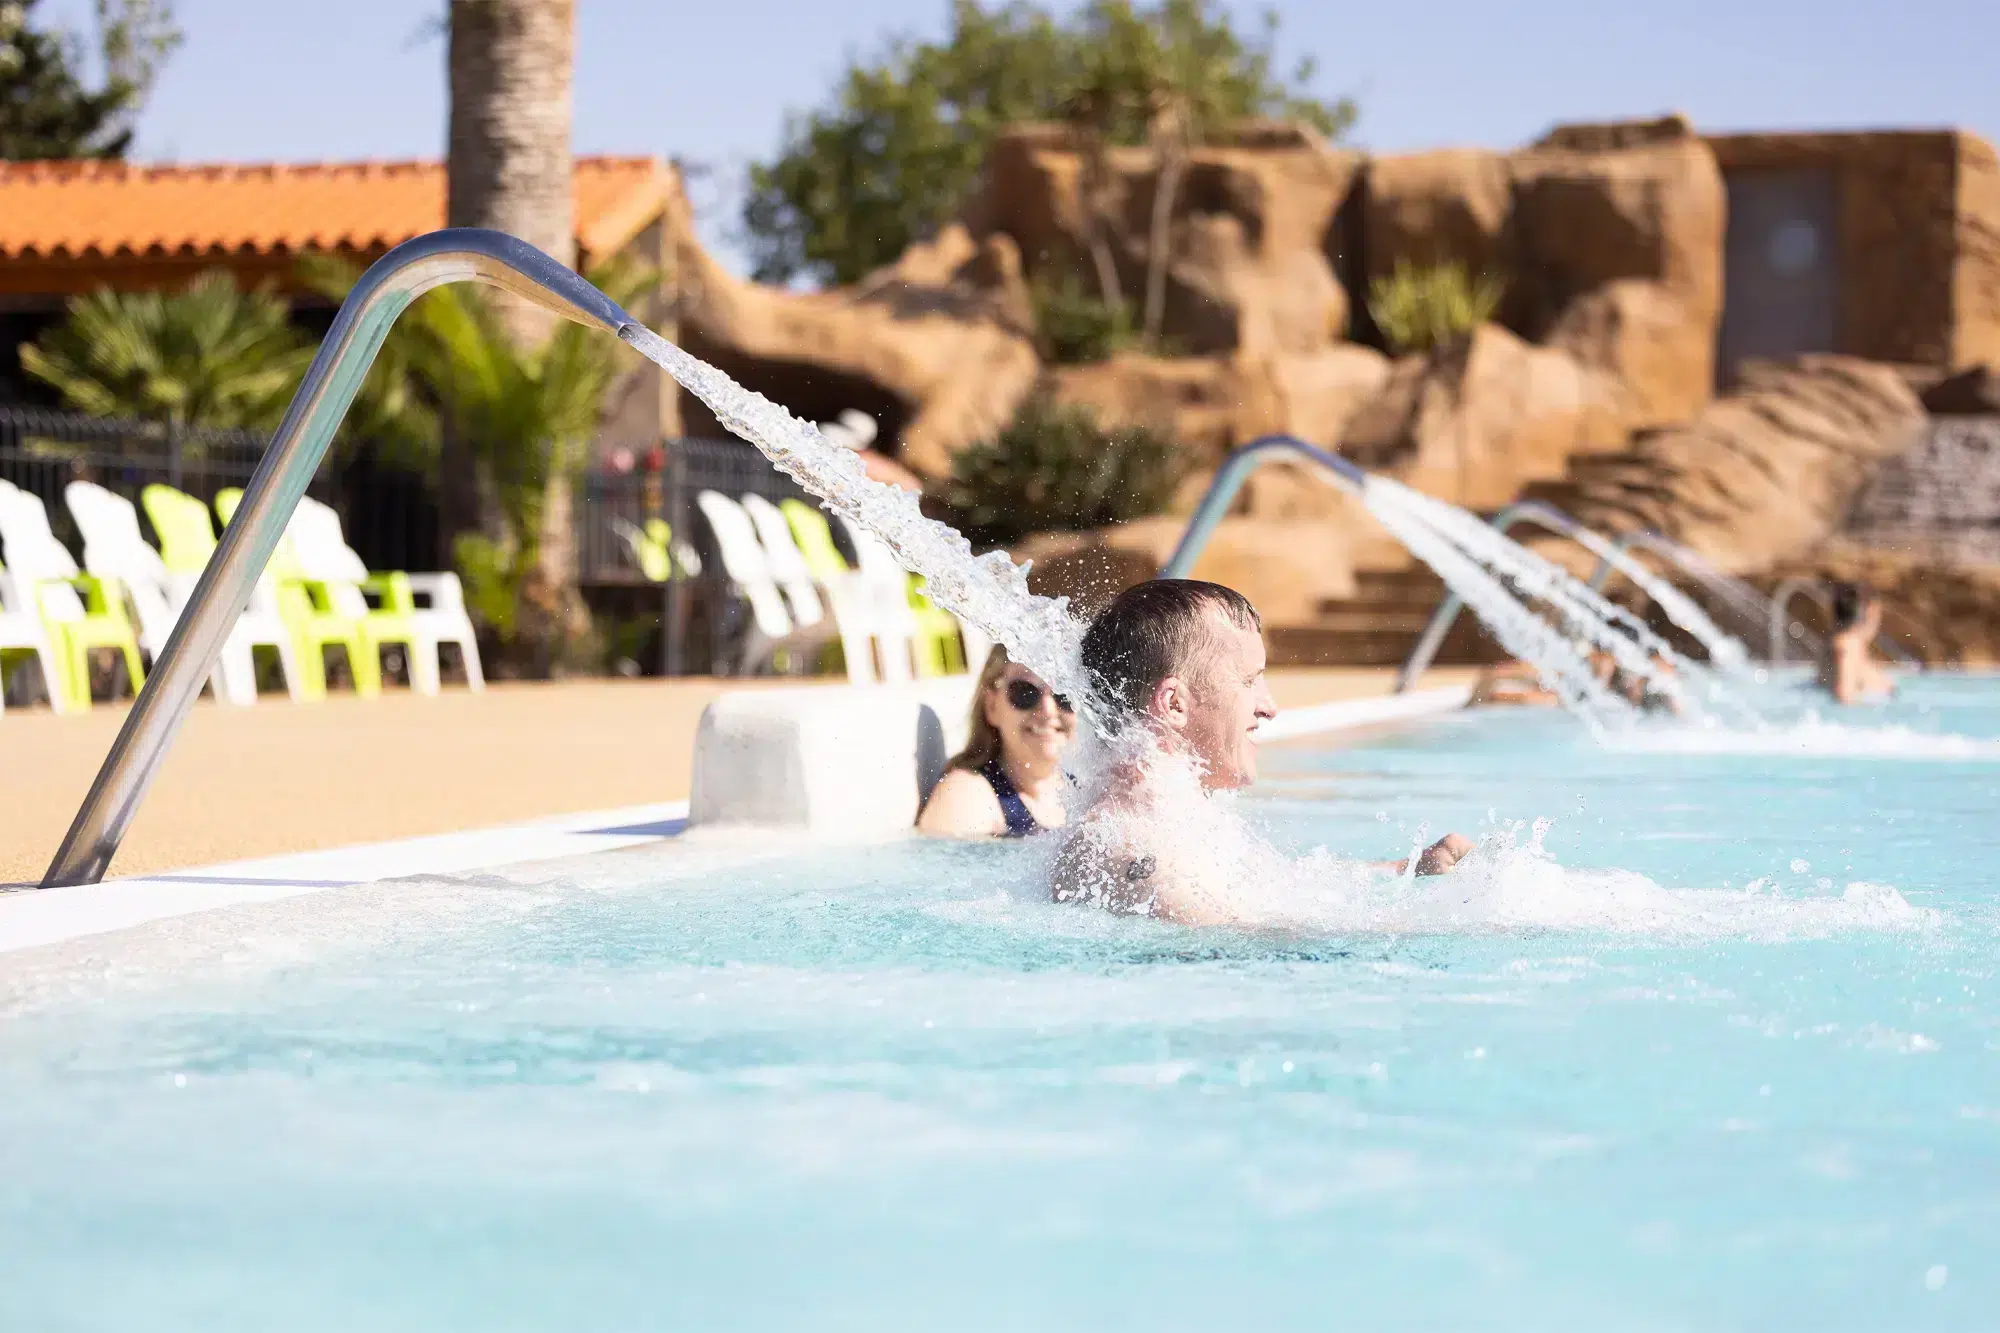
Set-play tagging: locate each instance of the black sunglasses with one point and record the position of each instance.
(1026, 696)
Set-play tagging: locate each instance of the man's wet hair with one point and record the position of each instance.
(1850, 601)
(1153, 630)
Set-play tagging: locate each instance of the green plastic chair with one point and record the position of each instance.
(652, 546)
(814, 536)
(315, 617)
(935, 646)
(938, 651)
(79, 612)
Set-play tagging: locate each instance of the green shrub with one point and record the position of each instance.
(1422, 307)
(1075, 325)
(1054, 469)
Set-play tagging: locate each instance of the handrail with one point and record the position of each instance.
(1522, 511)
(1781, 597)
(1229, 479)
(1745, 600)
(383, 293)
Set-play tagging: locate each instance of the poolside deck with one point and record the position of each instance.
(280, 778)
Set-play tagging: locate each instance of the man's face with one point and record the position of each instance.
(1226, 698)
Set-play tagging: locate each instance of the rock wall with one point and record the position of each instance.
(934, 346)
(1918, 236)
(1251, 267)
(1758, 478)
(1609, 240)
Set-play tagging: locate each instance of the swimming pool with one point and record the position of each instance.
(1726, 1055)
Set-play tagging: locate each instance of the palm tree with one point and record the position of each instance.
(453, 369)
(210, 355)
(508, 166)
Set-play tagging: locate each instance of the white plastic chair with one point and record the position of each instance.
(326, 557)
(744, 560)
(888, 591)
(852, 607)
(46, 583)
(114, 547)
(21, 628)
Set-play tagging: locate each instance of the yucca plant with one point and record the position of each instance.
(1422, 307)
(209, 355)
(1055, 469)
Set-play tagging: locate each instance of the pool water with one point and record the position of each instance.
(1723, 1052)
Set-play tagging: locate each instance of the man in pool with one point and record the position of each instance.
(1179, 664)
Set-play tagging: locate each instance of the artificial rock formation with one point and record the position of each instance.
(1472, 422)
(1759, 477)
(1250, 269)
(1608, 238)
(934, 346)
(1288, 568)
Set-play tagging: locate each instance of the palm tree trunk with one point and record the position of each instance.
(509, 164)
(509, 167)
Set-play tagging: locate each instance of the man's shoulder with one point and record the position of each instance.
(1106, 860)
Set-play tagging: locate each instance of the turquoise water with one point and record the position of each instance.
(1670, 1072)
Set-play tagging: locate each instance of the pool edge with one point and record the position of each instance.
(31, 918)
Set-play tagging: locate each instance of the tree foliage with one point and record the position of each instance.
(210, 355)
(527, 413)
(898, 145)
(1055, 469)
(46, 111)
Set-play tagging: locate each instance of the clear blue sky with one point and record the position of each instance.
(711, 81)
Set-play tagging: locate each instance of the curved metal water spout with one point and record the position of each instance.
(1229, 479)
(383, 293)
(1778, 631)
(1781, 597)
(1745, 600)
(1524, 511)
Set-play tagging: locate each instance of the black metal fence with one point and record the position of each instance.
(686, 624)
(390, 515)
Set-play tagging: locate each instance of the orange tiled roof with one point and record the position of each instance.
(76, 210)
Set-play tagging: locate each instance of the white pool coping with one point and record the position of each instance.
(30, 918)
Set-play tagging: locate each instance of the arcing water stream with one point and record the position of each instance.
(991, 591)
(1499, 882)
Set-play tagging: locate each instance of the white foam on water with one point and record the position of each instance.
(1811, 736)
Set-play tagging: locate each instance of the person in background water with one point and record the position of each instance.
(1008, 781)
(1849, 671)
(1185, 660)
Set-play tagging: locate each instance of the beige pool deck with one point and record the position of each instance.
(280, 778)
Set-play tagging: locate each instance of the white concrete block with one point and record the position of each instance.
(839, 760)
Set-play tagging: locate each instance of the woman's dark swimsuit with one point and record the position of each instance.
(1020, 820)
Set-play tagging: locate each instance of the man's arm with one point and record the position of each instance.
(1435, 859)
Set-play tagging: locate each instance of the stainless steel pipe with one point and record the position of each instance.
(1426, 648)
(1229, 479)
(382, 294)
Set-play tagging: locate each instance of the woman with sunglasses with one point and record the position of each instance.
(1007, 782)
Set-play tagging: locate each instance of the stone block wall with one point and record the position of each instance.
(1898, 221)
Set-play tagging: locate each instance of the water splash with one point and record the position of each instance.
(1494, 575)
(990, 591)
(1725, 650)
